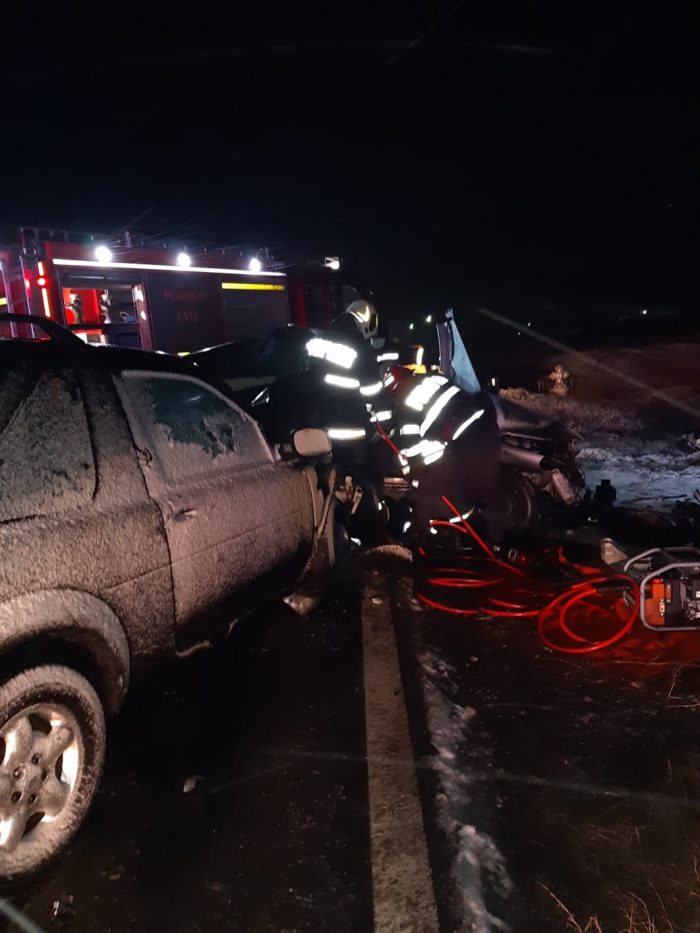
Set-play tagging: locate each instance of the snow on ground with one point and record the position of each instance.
(654, 472)
(478, 865)
(646, 466)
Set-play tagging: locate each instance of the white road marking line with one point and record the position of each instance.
(402, 886)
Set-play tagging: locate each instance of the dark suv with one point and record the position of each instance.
(141, 513)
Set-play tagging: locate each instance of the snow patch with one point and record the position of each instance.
(641, 470)
(477, 860)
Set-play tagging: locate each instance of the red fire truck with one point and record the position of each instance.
(133, 295)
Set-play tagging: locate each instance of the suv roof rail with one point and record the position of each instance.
(56, 332)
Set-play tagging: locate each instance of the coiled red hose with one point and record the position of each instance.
(561, 616)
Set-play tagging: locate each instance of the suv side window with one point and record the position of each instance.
(189, 428)
(46, 459)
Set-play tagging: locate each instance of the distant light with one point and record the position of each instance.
(332, 262)
(410, 326)
(103, 254)
(429, 319)
(529, 323)
(356, 541)
(343, 381)
(644, 311)
(184, 259)
(406, 526)
(255, 265)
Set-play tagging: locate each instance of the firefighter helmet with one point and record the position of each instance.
(365, 316)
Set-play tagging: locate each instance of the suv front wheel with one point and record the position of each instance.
(52, 745)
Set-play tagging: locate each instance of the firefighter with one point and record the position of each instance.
(450, 441)
(461, 454)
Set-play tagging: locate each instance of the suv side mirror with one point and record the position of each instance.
(311, 442)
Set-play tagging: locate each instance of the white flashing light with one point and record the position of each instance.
(103, 254)
(381, 416)
(344, 382)
(410, 326)
(419, 397)
(645, 311)
(385, 357)
(409, 429)
(437, 407)
(255, 265)
(465, 424)
(346, 434)
(419, 356)
(338, 353)
(332, 262)
(374, 389)
(184, 260)
(429, 319)
(161, 267)
(406, 526)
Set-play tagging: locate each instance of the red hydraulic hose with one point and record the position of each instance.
(521, 596)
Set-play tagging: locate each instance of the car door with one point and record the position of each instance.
(232, 513)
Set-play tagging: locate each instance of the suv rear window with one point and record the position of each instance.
(46, 460)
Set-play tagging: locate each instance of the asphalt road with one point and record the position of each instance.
(379, 766)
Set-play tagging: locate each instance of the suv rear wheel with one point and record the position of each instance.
(52, 744)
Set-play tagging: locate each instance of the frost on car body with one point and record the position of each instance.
(141, 513)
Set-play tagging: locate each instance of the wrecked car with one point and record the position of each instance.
(142, 512)
(538, 454)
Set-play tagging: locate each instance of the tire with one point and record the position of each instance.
(520, 501)
(52, 742)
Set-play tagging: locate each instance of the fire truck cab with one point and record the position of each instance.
(127, 294)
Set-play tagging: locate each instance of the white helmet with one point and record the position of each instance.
(365, 316)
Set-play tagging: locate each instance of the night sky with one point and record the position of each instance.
(529, 154)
